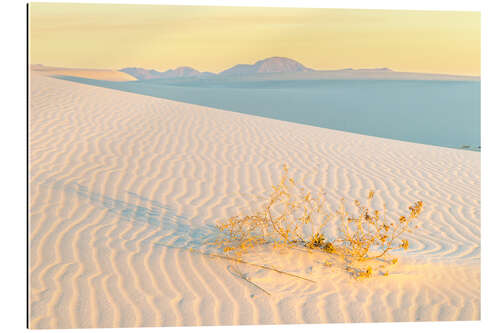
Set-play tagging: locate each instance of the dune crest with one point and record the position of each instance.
(95, 74)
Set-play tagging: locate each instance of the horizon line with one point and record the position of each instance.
(217, 73)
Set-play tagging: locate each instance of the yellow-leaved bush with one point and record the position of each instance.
(292, 217)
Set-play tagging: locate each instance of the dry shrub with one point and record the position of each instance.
(294, 217)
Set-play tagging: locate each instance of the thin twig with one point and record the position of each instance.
(240, 261)
(261, 266)
(247, 280)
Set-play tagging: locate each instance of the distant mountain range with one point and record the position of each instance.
(281, 68)
(273, 65)
(269, 65)
(147, 74)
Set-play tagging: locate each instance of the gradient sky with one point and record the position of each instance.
(215, 38)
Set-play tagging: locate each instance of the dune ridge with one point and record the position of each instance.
(123, 185)
(95, 74)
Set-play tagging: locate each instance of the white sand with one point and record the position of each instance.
(95, 74)
(113, 174)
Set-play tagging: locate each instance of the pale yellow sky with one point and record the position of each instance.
(215, 38)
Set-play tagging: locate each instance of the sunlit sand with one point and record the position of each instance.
(125, 191)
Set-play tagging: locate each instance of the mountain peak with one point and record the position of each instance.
(182, 72)
(268, 65)
(280, 65)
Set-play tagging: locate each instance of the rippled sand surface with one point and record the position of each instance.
(123, 185)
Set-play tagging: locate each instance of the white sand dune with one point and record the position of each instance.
(123, 185)
(95, 74)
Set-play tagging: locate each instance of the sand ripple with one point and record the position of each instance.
(122, 185)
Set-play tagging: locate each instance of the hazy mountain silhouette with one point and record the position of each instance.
(147, 74)
(281, 68)
(141, 73)
(269, 65)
